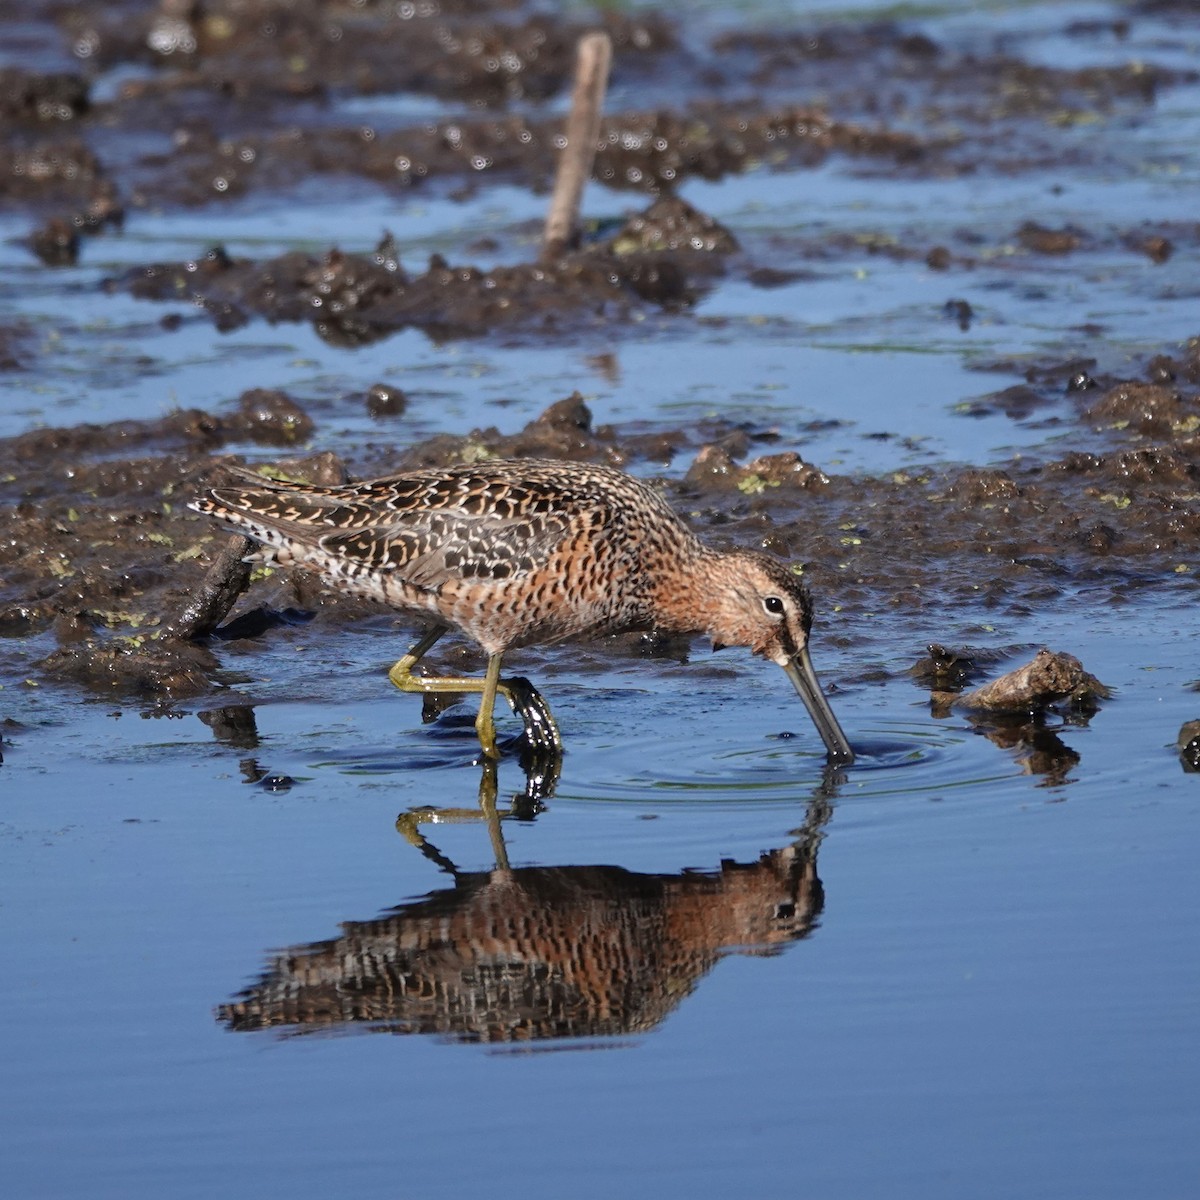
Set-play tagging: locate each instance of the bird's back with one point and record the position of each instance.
(510, 551)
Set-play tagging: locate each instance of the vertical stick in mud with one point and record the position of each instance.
(592, 62)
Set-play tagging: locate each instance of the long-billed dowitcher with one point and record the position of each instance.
(526, 552)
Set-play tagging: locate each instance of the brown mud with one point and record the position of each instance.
(100, 554)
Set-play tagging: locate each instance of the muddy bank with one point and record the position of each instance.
(100, 553)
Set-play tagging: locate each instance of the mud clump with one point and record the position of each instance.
(1148, 409)
(26, 96)
(1041, 240)
(383, 400)
(158, 671)
(270, 417)
(662, 258)
(1048, 678)
(715, 469)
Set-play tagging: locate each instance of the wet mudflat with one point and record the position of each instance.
(911, 303)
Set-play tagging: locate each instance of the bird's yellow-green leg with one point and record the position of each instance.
(401, 674)
(522, 696)
(485, 723)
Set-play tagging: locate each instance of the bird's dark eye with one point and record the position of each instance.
(773, 605)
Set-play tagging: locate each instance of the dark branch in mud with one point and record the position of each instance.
(226, 580)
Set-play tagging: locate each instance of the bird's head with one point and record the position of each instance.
(757, 602)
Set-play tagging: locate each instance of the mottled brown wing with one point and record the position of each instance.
(428, 548)
(428, 527)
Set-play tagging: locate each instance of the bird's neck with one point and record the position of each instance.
(686, 599)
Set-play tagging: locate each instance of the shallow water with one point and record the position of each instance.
(993, 989)
(1000, 980)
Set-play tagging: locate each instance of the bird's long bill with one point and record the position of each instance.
(800, 671)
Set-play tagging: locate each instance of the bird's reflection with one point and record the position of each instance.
(519, 954)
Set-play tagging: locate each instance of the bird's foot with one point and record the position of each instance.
(541, 731)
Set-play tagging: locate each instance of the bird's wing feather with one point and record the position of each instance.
(428, 529)
(427, 549)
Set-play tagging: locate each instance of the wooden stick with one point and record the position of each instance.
(592, 62)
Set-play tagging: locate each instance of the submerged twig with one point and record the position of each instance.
(583, 130)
